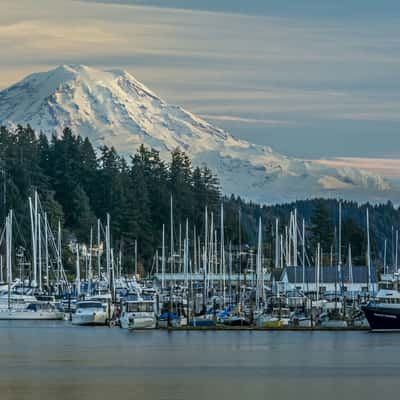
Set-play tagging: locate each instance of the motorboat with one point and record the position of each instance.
(383, 311)
(91, 312)
(138, 314)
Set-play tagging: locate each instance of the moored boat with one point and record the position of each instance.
(383, 312)
(138, 314)
(90, 312)
(34, 311)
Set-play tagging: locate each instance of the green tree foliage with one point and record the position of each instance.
(78, 184)
(322, 229)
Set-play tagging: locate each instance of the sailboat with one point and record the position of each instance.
(36, 310)
(383, 311)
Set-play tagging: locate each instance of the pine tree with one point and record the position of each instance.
(322, 229)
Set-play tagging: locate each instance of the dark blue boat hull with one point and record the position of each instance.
(382, 318)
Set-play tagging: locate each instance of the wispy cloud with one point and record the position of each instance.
(233, 118)
(327, 75)
(381, 166)
(45, 36)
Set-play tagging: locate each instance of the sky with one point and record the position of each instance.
(313, 79)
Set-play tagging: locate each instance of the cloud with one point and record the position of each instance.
(389, 168)
(295, 73)
(384, 116)
(233, 118)
(44, 36)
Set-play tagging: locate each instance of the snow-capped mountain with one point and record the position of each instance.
(113, 108)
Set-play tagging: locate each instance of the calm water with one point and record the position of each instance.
(57, 361)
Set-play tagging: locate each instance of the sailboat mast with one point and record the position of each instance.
(303, 251)
(163, 258)
(36, 236)
(194, 250)
(340, 247)
(90, 260)
(384, 257)
(205, 251)
(136, 258)
(295, 238)
(98, 253)
(318, 257)
(108, 253)
(39, 253)
(172, 234)
(350, 266)
(276, 243)
(222, 256)
(397, 251)
(33, 235)
(9, 221)
(180, 249)
(46, 249)
(260, 284)
(59, 256)
(78, 273)
(368, 253)
(186, 254)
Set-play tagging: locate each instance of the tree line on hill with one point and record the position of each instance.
(78, 184)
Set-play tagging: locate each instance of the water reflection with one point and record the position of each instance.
(57, 361)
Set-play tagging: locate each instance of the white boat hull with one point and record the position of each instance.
(142, 323)
(25, 315)
(95, 318)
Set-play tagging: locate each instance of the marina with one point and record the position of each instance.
(203, 283)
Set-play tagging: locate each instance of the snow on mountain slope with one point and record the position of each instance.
(113, 108)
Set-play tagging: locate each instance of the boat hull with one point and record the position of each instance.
(89, 319)
(382, 318)
(202, 323)
(23, 315)
(142, 323)
(237, 321)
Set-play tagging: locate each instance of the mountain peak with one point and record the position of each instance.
(113, 108)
